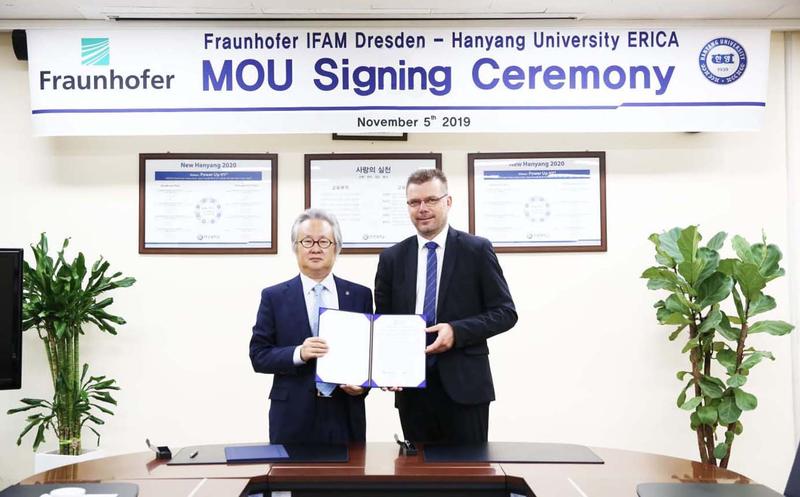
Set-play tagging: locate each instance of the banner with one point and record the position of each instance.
(409, 79)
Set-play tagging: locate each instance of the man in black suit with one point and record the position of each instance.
(455, 280)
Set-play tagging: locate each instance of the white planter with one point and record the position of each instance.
(43, 461)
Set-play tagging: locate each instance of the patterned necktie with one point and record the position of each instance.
(325, 389)
(429, 304)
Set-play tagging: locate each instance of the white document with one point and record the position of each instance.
(372, 350)
(348, 337)
(398, 350)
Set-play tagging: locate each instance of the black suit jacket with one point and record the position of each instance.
(473, 298)
(281, 325)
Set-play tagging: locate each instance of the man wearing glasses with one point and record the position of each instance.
(455, 281)
(285, 342)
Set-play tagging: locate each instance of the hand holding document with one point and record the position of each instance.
(372, 350)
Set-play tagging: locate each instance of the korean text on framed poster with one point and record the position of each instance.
(366, 193)
(539, 201)
(208, 203)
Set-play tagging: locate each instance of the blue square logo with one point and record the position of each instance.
(95, 51)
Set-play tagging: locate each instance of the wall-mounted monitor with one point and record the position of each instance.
(10, 319)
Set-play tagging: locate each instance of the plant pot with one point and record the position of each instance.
(44, 461)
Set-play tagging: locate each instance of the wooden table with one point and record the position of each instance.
(377, 467)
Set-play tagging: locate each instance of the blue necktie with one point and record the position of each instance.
(429, 304)
(325, 389)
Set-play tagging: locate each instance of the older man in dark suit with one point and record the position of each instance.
(455, 280)
(285, 342)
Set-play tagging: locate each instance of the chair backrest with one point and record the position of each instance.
(793, 483)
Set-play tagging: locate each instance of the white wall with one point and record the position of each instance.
(587, 362)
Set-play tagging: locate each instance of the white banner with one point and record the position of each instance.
(410, 79)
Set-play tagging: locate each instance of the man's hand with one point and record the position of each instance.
(444, 341)
(312, 348)
(353, 390)
(392, 389)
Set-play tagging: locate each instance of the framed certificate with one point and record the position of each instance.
(539, 202)
(366, 193)
(208, 203)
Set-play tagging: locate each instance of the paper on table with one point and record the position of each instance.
(348, 336)
(398, 350)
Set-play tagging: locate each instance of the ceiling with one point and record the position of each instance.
(760, 10)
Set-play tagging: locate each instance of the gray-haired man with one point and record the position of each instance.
(284, 341)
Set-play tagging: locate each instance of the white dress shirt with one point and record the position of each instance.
(330, 299)
(422, 267)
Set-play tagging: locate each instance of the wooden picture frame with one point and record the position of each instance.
(542, 205)
(383, 202)
(189, 195)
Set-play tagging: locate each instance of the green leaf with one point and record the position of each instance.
(707, 415)
(767, 257)
(664, 316)
(776, 328)
(739, 428)
(20, 409)
(674, 304)
(691, 270)
(682, 395)
(682, 374)
(681, 398)
(714, 290)
(745, 401)
(674, 334)
(717, 241)
(710, 263)
(729, 412)
(750, 280)
(668, 244)
(692, 403)
(30, 425)
(711, 387)
(725, 329)
(721, 450)
(694, 421)
(727, 358)
(711, 321)
(687, 243)
(660, 278)
(755, 358)
(726, 266)
(742, 248)
(39, 436)
(736, 380)
(692, 343)
(762, 303)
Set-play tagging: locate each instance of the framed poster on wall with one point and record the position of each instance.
(539, 201)
(366, 193)
(208, 203)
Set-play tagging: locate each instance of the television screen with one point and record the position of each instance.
(10, 319)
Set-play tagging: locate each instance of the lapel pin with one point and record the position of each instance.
(347, 292)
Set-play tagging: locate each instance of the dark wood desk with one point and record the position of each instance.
(377, 466)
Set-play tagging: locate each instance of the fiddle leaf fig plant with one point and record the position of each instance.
(59, 297)
(712, 303)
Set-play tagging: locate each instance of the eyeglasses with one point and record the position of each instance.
(322, 242)
(430, 201)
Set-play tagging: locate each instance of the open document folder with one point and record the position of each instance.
(372, 350)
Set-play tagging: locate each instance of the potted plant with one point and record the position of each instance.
(59, 297)
(713, 303)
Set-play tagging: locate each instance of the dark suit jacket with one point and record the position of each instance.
(473, 298)
(281, 325)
